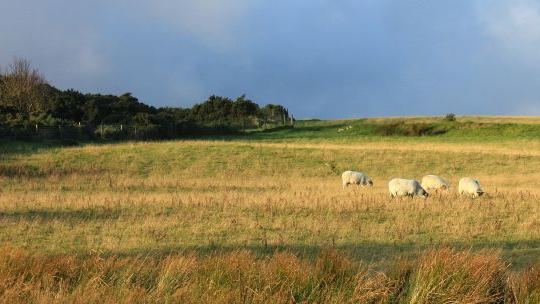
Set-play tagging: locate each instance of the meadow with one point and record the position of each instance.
(263, 217)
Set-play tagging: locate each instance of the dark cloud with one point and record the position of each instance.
(323, 58)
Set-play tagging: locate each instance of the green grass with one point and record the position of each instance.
(275, 191)
(464, 129)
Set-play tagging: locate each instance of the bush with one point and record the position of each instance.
(109, 132)
(411, 129)
(450, 117)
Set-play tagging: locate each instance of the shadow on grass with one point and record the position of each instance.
(64, 215)
(520, 254)
(198, 189)
(294, 132)
(20, 147)
(9, 147)
(21, 171)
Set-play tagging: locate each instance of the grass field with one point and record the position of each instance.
(264, 217)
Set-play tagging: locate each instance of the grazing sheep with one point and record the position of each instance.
(434, 182)
(356, 178)
(406, 187)
(470, 186)
(344, 129)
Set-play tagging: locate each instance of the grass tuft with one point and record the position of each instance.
(438, 276)
(445, 276)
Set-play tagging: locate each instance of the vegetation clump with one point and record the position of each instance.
(27, 100)
(402, 128)
(450, 117)
(438, 276)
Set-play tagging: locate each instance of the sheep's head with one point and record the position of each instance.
(367, 182)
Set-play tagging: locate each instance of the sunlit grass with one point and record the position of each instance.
(138, 197)
(437, 276)
(199, 198)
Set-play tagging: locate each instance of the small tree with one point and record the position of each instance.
(1, 86)
(273, 113)
(450, 117)
(22, 88)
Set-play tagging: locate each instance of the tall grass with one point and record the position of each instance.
(446, 276)
(438, 276)
(249, 221)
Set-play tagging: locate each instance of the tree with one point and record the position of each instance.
(1, 87)
(65, 105)
(23, 88)
(27, 99)
(274, 114)
(216, 111)
(244, 111)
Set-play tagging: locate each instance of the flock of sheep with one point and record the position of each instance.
(410, 187)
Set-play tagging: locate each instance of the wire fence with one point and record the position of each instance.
(84, 132)
(118, 131)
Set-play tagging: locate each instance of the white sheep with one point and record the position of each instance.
(434, 182)
(355, 178)
(470, 186)
(406, 187)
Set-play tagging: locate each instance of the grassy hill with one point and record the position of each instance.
(483, 129)
(273, 199)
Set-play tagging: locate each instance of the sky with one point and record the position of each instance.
(319, 58)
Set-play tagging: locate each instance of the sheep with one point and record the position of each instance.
(344, 129)
(357, 178)
(406, 187)
(434, 182)
(470, 186)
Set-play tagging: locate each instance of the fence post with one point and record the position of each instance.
(101, 131)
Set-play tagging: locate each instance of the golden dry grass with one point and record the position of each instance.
(438, 276)
(209, 201)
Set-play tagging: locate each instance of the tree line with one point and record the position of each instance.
(27, 99)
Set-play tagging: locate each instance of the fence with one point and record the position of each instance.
(84, 132)
(107, 132)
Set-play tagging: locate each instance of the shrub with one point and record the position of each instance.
(409, 129)
(450, 117)
(109, 132)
